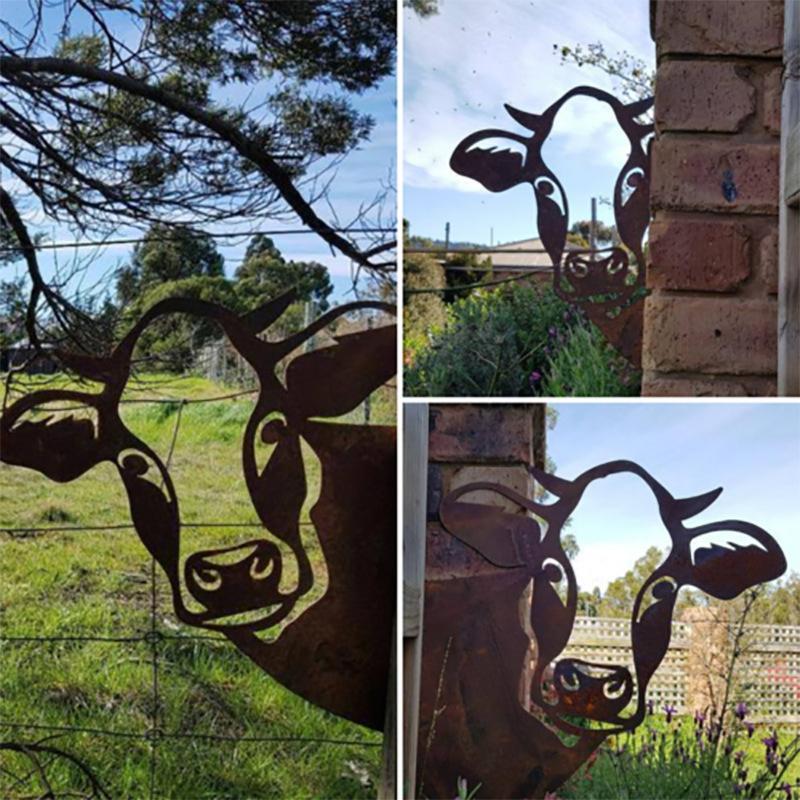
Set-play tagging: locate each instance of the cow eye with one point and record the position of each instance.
(552, 571)
(662, 589)
(272, 431)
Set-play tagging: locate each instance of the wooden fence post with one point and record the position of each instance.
(388, 788)
(789, 209)
(415, 488)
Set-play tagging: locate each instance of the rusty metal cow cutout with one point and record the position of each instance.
(605, 283)
(335, 652)
(520, 729)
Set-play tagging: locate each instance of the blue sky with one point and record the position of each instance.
(752, 450)
(463, 64)
(358, 180)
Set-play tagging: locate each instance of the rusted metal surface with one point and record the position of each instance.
(500, 706)
(606, 283)
(335, 652)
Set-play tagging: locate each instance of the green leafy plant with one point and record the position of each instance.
(464, 792)
(492, 344)
(586, 365)
(717, 753)
(515, 341)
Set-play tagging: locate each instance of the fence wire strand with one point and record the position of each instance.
(152, 637)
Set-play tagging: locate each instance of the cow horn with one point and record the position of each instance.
(529, 121)
(689, 506)
(552, 483)
(261, 318)
(638, 107)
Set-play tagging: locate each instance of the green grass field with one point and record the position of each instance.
(98, 583)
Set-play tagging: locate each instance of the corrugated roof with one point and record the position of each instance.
(507, 260)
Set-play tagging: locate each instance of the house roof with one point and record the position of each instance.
(518, 260)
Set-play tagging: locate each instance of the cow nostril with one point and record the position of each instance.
(570, 681)
(259, 574)
(207, 579)
(614, 688)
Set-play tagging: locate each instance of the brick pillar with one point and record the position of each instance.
(708, 658)
(470, 443)
(710, 322)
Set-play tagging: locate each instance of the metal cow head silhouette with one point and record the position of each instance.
(604, 283)
(481, 630)
(336, 652)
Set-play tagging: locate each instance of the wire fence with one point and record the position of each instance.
(154, 639)
(214, 235)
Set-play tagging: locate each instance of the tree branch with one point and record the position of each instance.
(14, 65)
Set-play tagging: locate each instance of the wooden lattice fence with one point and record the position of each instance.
(767, 674)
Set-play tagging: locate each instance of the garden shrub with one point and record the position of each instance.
(690, 758)
(586, 365)
(422, 312)
(508, 342)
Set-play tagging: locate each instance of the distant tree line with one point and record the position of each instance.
(777, 604)
(184, 262)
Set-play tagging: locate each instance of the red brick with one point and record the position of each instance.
(654, 385)
(514, 476)
(481, 433)
(772, 101)
(695, 175)
(702, 96)
(768, 257)
(447, 557)
(719, 27)
(711, 256)
(710, 334)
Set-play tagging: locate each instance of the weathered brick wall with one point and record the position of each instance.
(488, 442)
(711, 319)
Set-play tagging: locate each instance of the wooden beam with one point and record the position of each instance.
(415, 490)
(789, 222)
(388, 787)
(791, 192)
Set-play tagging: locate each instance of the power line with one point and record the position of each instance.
(129, 526)
(466, 285)
(226, 235)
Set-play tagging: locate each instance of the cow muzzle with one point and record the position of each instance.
(233, 581)
(594, 691)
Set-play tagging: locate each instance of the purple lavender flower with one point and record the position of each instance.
(788, 789)
(535, 377)
(750, 729)
(771, 742)
(670, 711)
(699, 718)
(650, 706)
(738, 756)
(740, 711)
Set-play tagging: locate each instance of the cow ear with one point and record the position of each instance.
(494, 158)
(60, 447)
(489, 530)
(724, 568)
(334, 380)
